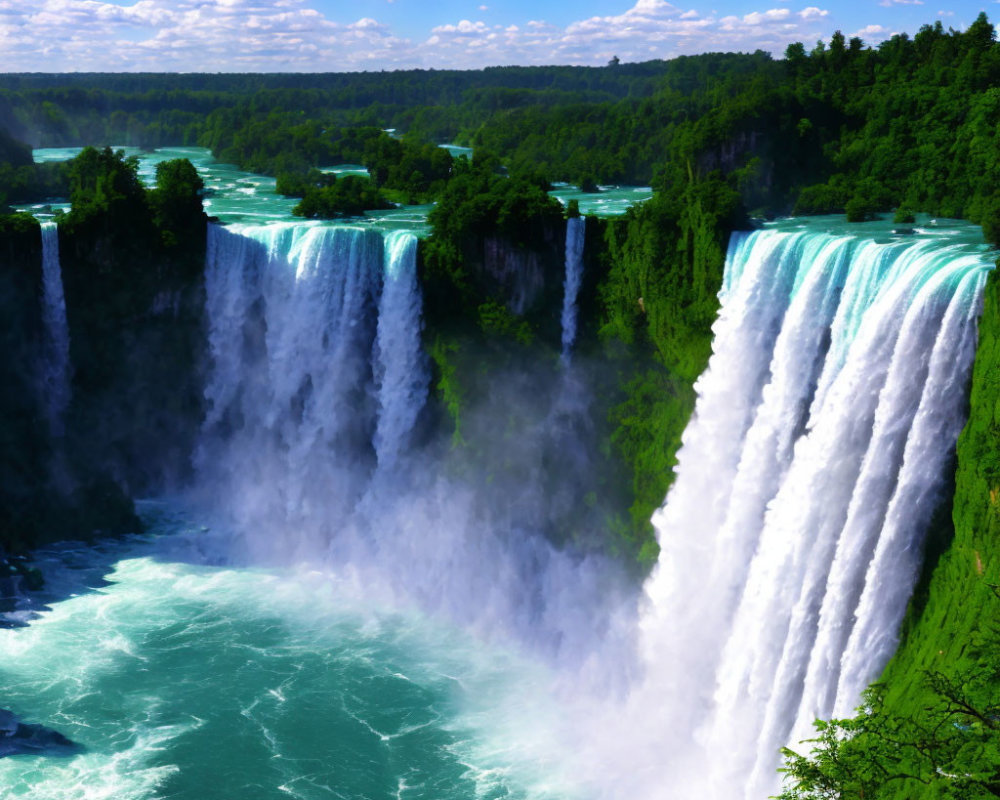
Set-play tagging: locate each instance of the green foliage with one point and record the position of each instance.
(18, 225)
(176, 201)
(947, 748)
(667, 259)
(106, 183)
(660, 298)
(824, 198)
(904, 215)
(988, 215)
(446, 384)
(476, 205)
(496, 319)
(860, 209)
(349, 196)
(648, 427)
(296, 184)
(479, 201)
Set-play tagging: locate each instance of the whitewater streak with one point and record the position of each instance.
(576, 228)
(56, 365)
(806, 480)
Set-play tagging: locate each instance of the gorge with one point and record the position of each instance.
(342, 566)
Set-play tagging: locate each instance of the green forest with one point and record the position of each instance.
(839, 127)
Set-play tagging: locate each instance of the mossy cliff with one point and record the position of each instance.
(131, 266)
(132, 261)
(647, 303)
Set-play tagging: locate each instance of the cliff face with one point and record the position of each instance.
(48, 491)
(24, 446)
(524, 276)
(134, 305)
(526, 279)
(135, 316)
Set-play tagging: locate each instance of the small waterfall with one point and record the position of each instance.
(56, 375)
(816, 456)
(575, 231)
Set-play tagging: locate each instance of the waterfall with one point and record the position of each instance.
(816, 456)
(575, 231)
(314, 338)
(316, 388)
(56, 365)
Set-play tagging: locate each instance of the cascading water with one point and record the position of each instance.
(295, 394)
(316, 390)
(576, 228)
(805, 483)
(56, 366)
(401, 373)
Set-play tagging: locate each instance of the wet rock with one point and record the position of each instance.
(21, 738)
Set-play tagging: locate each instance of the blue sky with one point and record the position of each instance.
(333, 35)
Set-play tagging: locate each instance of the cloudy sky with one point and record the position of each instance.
(336, 35)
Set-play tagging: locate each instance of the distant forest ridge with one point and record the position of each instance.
(911, 123)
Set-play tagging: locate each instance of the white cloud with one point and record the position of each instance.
(813, 13)
(873, 34)
(759, 18)
(292, 35)
(188, 35)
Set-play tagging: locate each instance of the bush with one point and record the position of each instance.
(823, 198)
(349, 196)
(860, 209)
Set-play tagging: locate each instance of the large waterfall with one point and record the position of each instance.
(56, 367)
(791, 539)
(815, 459)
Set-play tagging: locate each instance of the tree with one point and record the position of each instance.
(947, 747)
(105, 181)
(176, 200)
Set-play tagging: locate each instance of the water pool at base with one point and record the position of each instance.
(181, 679)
